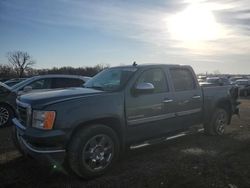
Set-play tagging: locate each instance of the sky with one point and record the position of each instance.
(212, 36)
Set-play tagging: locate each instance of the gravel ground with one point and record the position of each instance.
(191, 161)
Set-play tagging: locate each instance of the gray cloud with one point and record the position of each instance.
(235, 18)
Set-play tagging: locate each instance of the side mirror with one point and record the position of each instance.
(27, 89)
(144, 88)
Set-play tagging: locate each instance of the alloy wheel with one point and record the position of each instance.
(4, 116)
(98, 152)
(221, 123)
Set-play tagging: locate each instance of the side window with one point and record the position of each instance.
(40, 84)
(66, 82)
(79, 82)
(182, 79)
(155, 77)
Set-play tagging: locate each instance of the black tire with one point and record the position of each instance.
(6, 115)
(218, 122)
(92, 146)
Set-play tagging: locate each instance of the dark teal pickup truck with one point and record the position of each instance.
(88, 128)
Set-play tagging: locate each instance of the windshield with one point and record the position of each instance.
(110, 79)
(22, 83)
(10, 84)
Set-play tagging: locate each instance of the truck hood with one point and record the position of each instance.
(40, 99)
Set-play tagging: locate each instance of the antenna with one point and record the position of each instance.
(134, 63)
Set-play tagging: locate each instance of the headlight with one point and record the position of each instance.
(43, 119)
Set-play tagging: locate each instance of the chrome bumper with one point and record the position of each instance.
(28, 147)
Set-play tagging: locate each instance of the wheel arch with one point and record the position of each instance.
(112, 122)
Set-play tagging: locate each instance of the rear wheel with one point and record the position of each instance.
(93, 150)
(218, 122)
(6, 115)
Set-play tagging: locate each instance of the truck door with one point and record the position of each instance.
(188, 96)
(149, 114)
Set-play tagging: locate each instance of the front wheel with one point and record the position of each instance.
(218, 122)
(93, 150)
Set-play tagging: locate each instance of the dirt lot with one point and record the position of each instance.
(191, 161)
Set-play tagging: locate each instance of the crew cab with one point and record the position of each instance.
(88, 128)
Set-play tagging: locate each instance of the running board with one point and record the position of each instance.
(159, 140)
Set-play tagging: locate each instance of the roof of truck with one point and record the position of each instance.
(151, 65)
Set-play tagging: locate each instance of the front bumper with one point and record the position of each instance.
(47, 146)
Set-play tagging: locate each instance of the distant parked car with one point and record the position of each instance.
(218, 81)
(8, 94)
(14, 81)
(234, 79)
(244, 87)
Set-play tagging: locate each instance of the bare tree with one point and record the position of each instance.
(21, 61)
(7, 72)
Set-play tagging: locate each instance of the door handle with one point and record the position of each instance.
(167, 100)
(196, 97)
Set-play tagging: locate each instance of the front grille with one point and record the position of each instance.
(23, 113)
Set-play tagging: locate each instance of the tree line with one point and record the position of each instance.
(20, 64)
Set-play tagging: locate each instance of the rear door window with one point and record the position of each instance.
(157, 78)
(183, 79)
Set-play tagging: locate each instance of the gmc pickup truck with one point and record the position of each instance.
(88, 128)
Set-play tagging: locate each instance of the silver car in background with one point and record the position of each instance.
(41, 83)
